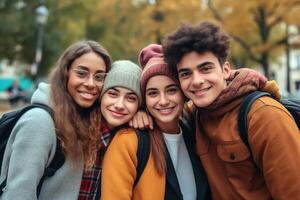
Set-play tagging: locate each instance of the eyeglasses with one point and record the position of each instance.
(97, 77)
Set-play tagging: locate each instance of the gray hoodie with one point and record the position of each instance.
(29, 151)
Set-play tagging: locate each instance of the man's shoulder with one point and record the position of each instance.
(268, 104)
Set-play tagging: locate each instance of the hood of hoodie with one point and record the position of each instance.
(273, 89)
(42, 94)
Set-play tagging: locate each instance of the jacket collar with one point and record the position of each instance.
(202, 186)
(172, 185)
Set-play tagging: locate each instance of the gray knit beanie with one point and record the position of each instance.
(123, 73)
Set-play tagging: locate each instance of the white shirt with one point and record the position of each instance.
(182, 164)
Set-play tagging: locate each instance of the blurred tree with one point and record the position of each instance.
(122, 26)
(257, 26)
(16, 21)
(126, 26)
(18, 29)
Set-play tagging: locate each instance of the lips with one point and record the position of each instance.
(165, 111)
(200, 92)
(117, 114)
(87, 95)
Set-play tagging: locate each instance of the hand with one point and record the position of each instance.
(141, 120)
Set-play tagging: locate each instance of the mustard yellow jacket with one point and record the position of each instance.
(119, 172)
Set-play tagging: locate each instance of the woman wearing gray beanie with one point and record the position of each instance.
(120, 100)
(121, 96)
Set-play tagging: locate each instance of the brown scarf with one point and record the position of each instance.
(240, 82)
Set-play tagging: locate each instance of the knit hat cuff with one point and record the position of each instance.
(126, 80)
(154, 70)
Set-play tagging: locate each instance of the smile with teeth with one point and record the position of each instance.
(165, 110)
(200, 92)
(87, 95)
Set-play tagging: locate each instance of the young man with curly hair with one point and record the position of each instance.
(198, 55)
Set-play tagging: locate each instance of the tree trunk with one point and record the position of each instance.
(287, 54)
(265, 64)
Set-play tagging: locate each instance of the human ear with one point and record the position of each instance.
(226, 70)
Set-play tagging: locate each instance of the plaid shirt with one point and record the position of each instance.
(91, 178)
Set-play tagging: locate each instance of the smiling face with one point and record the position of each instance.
(118, 106)
(202, 78)
(86, 76)
(164, 100)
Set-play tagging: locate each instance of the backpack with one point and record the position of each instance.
(143, 152)
(7, 123)
(293, 106)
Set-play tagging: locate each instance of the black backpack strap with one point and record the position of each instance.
(43, 106)
(293, 106)
(2, 186)
(143, 152)
(15, 115)
(57, 161)
(243, 113)
(59, 157)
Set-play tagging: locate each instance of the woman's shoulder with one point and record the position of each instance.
(36, 122)
(126, 134)
(124, 145)
(38, 115)
(125, 138)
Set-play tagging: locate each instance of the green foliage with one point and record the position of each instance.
(258, 27)
(124, 27)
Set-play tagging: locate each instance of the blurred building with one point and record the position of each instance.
(278, 72)
(9, 73)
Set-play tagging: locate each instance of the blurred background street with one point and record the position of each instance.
(265, 35)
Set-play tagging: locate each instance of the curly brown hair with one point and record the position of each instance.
(74, 125)
(201, 38)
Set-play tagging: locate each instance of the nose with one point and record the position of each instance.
(119, 104)
(197, 79)
(89, 82)
(163, 101)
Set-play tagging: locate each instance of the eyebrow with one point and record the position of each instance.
(87, 69)
(131, 93)
(183, 70)
(171, 85)
(204, 64)
(198, 66)
(168, 86)
(151, 89)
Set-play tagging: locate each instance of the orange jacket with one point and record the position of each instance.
(275, 142)
(119, 172)
(119, 167)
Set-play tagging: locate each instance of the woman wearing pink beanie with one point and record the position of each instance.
(173, 170)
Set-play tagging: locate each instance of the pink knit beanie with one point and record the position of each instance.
(152, 62)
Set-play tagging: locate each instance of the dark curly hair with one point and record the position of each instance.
(201, 38)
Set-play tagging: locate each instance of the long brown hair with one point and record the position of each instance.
(74, 125)
(158, 150)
